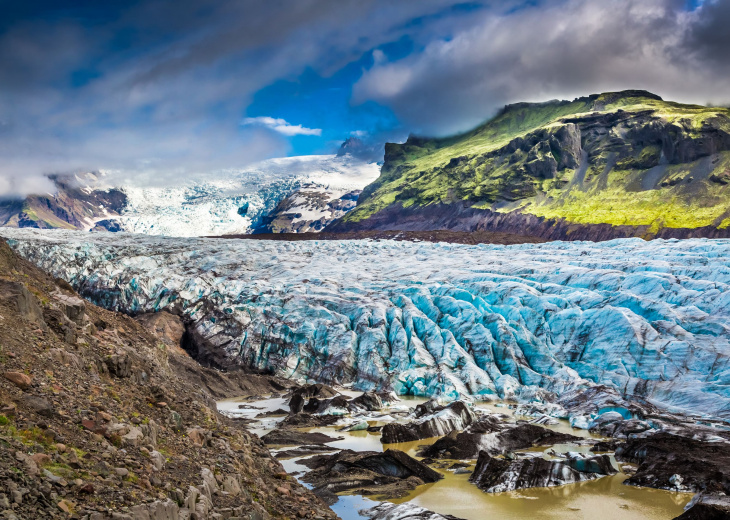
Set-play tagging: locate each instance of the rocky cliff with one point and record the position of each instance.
(605, 166)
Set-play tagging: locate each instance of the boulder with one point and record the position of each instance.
(119, 365)
(495, 475)
(39, 405)
(701, 465)
(390, 511)
(707, 507)
(22, 381)
(72, 306)
(432, 421)
(17, 296)
(389, 474)
(467, 445)
(295, 438)
(369, 401)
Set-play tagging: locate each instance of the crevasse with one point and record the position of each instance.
(648, 318)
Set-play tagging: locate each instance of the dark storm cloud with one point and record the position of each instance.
(709, 35)
(157, 90)
(559, 49)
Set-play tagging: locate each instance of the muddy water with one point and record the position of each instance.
(603, 499)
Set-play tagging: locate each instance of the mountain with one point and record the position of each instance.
(610, 165)
(233, 202)
(73, 206)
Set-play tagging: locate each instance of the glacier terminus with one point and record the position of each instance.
(648, 321)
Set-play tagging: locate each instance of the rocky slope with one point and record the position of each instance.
(604, 166)
(625, 321)
(101, 419)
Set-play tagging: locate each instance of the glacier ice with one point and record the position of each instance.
(649, 319)
(236, 201)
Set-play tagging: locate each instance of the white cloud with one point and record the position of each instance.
(281, 126)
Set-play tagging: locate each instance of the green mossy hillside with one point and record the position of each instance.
(621, 158)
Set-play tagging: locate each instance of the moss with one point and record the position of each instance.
(479, 168)
(4, 421)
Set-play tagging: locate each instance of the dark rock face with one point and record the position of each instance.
(431, 422)
(707, 507)
(294, 438)
(672, 462)
(389, 474)
(369, 401)
(497, 475)
(468, 444)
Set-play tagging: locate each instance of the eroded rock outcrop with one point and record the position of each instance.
(468, 444)
(433, 422)
(389, 474)
(495, 475)
(674, 462)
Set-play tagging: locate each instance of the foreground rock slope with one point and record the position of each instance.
(645, 320)
(101, 419)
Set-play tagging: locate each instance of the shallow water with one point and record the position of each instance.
(603, 499)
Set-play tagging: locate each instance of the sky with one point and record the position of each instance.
(166, 91)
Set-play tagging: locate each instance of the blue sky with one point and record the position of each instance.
(170, 90)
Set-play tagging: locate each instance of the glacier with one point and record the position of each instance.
(648, 319)
(229, 202)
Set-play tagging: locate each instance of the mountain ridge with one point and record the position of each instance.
(628, 162)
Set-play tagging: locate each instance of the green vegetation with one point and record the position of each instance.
(625, 158)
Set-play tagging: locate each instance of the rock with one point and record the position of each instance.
(39, 405)
(390, 474)
(41, 459)
(302, 451)
(498, 475)
(119, 365)
(390, 511)
(432, 422)
(167, 327)
(707, 507)
(22, 381)
(17, 296)
(133, 438)
(199, 436)
(296, 403)
(294, 438)
(66, 506)
(665, 460)
(158, 460)
(231, 485)
(73, 306)
(121, 472)
(369, 401)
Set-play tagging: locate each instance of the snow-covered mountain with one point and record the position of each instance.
(651, 320)
(234, 202)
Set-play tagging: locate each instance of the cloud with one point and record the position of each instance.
(156, 89)
(556, 49)
(281, 126)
